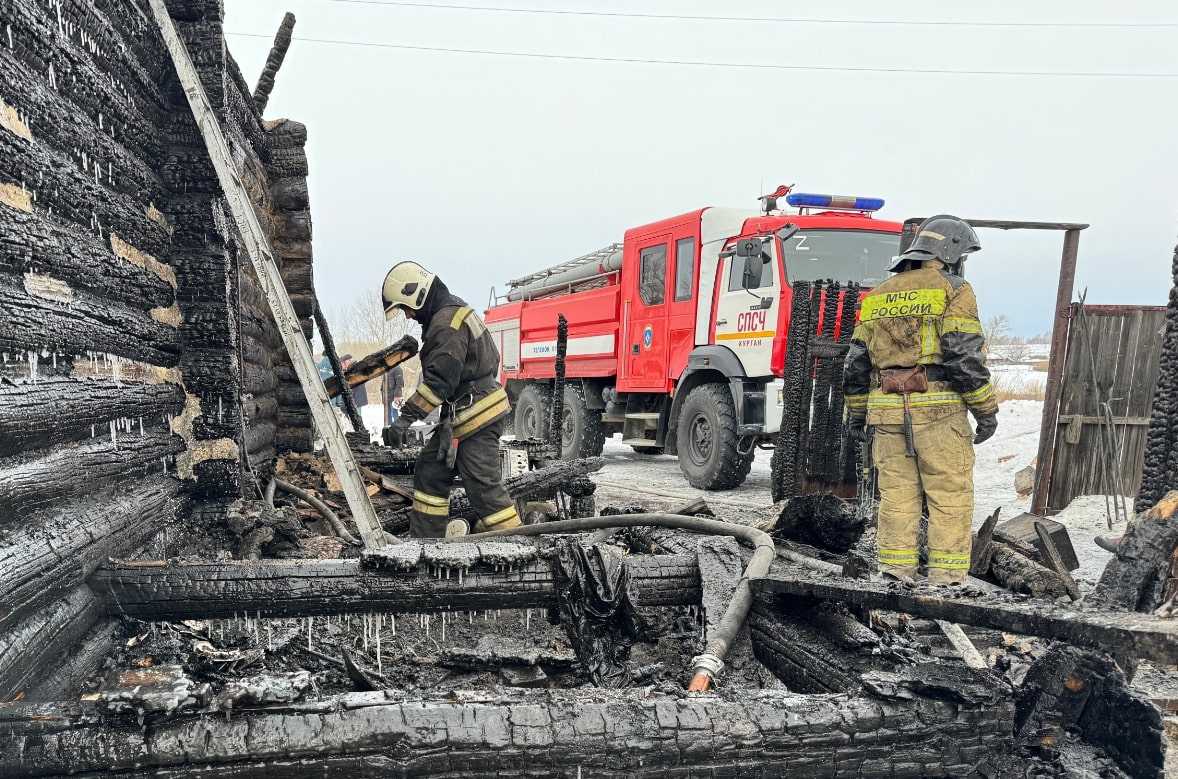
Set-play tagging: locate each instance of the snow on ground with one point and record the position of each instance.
(656, 480)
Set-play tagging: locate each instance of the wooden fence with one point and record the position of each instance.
(1110, 370)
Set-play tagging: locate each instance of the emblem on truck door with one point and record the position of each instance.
(647, 336)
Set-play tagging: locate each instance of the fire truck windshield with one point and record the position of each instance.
(861, 256)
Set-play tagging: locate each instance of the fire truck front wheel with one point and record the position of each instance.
(709, 447)
(531, 412)
(583, 433)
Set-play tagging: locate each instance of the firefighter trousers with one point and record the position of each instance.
(477, 462)
(941, 473)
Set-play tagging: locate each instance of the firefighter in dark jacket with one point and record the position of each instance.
(459, 363)
(915, 366)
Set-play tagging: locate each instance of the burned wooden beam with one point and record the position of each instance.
(56, 409)
(61, 319)
(552, 732)
(39, 643)
(48, 553)
(274, 61)
(1136, 578)
(435, 577)
(1136, 635)
(29, 481)
(374, 365)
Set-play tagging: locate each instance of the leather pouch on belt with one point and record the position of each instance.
(903, 381)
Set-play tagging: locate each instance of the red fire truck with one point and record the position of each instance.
(677, 334)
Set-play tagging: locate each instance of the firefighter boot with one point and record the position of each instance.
(500, 520)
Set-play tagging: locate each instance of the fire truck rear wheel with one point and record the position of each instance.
(709, 447)
(584, 432)
(531, 412)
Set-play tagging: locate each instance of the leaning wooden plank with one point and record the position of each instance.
(1136, 635)
(298, 588)
(57, 409)
(47, 553)
(254, 241)
(375, 365)
(553, 733)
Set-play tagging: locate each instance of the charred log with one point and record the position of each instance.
(44, 555)
(813, 650)
(62, 681)
(822, 521)
(36, 243)
(553, 733)
(76, 322)
(374, 365)
(1071, 691)
(31, 481)
(38, 643)
(1137, 635)
(1136, 578)
(156, 590)
(34, 415)
(1020, 573)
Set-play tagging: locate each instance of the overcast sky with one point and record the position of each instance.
(485, 168)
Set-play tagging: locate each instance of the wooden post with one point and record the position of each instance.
(1055, 366)
(253, 238)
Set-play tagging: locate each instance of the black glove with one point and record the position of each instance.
(396, 435)
(857, 430)
(987, 424)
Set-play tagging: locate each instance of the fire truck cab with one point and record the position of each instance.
(677, 335)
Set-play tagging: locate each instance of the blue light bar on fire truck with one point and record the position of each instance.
(849, 203)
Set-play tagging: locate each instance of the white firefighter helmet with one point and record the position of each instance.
(407, 284)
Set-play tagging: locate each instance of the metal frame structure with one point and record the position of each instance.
(1059, 336)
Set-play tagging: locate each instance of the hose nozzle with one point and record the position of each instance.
(707, 667)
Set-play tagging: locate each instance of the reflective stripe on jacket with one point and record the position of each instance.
(925, 316)
(459, 362)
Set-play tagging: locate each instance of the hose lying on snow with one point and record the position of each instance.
(321, 507)
(708, 665)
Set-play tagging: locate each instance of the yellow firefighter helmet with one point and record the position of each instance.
(407, 284)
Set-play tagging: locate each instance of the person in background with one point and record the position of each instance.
(360, 391)
(392, 390)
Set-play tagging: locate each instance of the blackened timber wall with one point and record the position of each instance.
(138, 360)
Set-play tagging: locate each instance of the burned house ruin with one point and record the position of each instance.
(146, 400)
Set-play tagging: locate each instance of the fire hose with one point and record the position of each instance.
(709, 665)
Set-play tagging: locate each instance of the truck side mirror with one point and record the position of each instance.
(752, 272)
(750, 247)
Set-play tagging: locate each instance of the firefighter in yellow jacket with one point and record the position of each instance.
(915, 366)
(459, 363)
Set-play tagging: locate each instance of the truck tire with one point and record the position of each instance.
(583, 433)
(531, 412)
(709, 447)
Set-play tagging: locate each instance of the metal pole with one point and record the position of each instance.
(1055, 366)
(254, 240)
